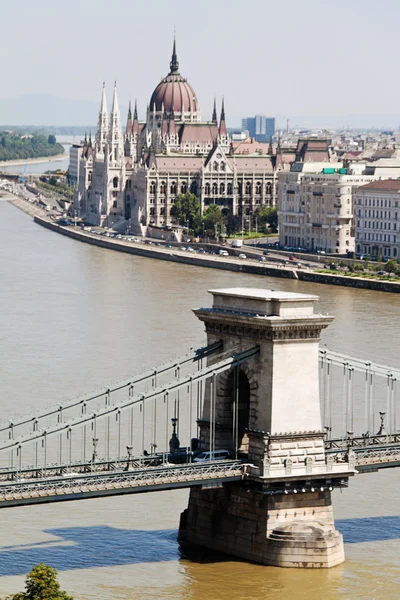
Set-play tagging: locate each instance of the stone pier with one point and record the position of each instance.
(281, 513)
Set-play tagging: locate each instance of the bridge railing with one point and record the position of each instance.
(357, 397)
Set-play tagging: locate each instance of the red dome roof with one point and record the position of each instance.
(174, 94)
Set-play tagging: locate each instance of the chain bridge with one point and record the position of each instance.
(258, 417)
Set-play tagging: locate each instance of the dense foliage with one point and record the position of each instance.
(217, 220)
(41, 584)
(14, 146)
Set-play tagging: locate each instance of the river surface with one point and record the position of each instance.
(74, 317)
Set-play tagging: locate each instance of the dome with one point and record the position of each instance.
(174, 94)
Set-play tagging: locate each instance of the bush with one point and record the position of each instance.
(41, 584)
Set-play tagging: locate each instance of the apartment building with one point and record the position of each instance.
(377, 218)
(315, 205)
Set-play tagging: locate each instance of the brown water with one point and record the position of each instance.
(73, 317)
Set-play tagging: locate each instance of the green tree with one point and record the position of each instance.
(187, 211)
(213, 216)
(391, 266)
(267, 218)
(52, 139)
(41, 584)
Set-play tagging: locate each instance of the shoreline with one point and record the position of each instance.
(32, 161)
(174, 255)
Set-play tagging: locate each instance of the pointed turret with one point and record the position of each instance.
(214, 115)
(115, 132)
(222, 124)
(171, 124)
(135, 126)
(174, 64)
(129, 120)
(102, 126)
(90, 139)
(270, 147)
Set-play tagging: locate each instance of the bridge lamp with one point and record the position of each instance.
(330, 488)
(303, 490)
(322, 489)
(295, 491)
(313, 489)
(286, 492)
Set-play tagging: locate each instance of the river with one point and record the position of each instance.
(73, 317)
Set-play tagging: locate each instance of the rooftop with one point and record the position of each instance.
(382, 185)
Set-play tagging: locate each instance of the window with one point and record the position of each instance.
(173, 187)
(162, 187)
(152, 209)
(183, 188)
(268, 189)
(230, 190)
(193, 188)
(207, 189)
(162, 210)
(215, 166)
(115, 204)
(152, 187)
(222, 166)
(222, 188)
(115, 182)
(258, 187)
(248, 187)
(215, 189)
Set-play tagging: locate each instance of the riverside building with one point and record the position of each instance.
(137, 175)
(315, 205)
(377, 218)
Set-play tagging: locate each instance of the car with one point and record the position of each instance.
(241, 255)
(182, 248)
(265, 252)
(148, 242)
(292, 258)
(223, 253)
(119, 236)
(215, 455)
(381, 273)
(262, 259)
(202, 251)
(168, 246)
(158, 244)
(190, 249)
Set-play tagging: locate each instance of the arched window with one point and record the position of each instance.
(222, 188)
(268, 189)
(162, 210)
(258, 187)
(248, 187)
(215, 189)
(183, 188)
(207, 189)
(230, 189)
(90, 176)
(193, 188)
(215, 166)
(173, 187)
(152, 211)
(152, 187)
(162, 187)
(115, 182)
(222, 166)
(129, 184)
(240, 187)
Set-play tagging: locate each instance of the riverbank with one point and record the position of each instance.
(200, 260)
(32, 161)
(217, 262)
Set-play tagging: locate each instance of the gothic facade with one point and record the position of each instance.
(138, 175)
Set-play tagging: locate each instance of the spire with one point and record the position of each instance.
(270, 147)
(115, 132)
(214, 115)
(222, 124)
(174, 64)
(135, 126)
(129, 120)
(85, 140)
(90, 139)
(102, 125)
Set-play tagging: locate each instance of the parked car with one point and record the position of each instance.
(381, 273)
(262, 259)
(215, 455)
(265, 252)
(241, 255)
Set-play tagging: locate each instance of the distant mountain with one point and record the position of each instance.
(44, 109)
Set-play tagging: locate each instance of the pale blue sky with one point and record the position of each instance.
(296, 57)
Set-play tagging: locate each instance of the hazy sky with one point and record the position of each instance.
(296, 57)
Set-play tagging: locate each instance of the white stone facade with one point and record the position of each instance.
(315, 206)
(377, 219)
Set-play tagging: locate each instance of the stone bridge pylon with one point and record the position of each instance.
(267, 410)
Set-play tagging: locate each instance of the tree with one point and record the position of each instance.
(267, 218)
(52, 139)
(187, 211)
(213, 216)
(41, 584)
(391, 266)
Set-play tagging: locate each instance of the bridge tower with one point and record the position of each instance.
(268, 410)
